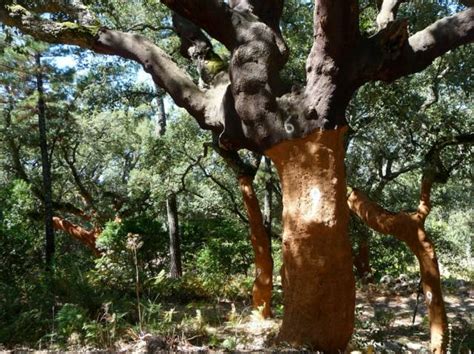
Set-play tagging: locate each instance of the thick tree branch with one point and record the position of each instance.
(214, 16)
(328, 67)
(155, 61)
(196, 46)
(86, 237)
(434, 170)
(467, 3)
(422, 48)
(236, 163)
(336, 29)
(74, 8)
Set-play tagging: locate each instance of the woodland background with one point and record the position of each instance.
(114, 165)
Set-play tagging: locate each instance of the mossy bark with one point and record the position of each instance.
(317, 277)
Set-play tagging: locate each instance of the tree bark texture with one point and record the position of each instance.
(318, 283)
(45, 168)
(263, 284)
(160, 117)
(175, 240)
(409, 228)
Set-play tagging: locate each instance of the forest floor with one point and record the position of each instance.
(383, 324)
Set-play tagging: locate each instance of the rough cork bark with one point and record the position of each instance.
(318, 282)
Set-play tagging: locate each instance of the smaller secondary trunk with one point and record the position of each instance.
(262, 286)
(317, 277)
(175, 241)
(267, 204)
(362, 261)
(410, 228)
(176, 269)
(362, 254)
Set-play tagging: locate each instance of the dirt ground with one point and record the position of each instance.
(383, 324)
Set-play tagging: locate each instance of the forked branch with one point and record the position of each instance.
(422, 48)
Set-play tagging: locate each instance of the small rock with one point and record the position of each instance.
(386, 279)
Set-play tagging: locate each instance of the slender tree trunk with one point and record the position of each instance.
(362, 254)
(317, 276)
(431, 282)
(171, 205)
(46, 168)
(409, 228)
(362, 260)
(267, 201)
(160, 116)
(263, 284)
(175, 241)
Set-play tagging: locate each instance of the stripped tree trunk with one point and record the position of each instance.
(410, 228)
(262, 286)
(317, 276)
(260, 237)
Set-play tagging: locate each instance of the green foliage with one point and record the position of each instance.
(115, 268)
(297, 28)
(223, 246)
(70, 320)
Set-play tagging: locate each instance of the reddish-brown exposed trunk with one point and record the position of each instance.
(86, 237)
(262, 286)
(410, 228)
(317, 276)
